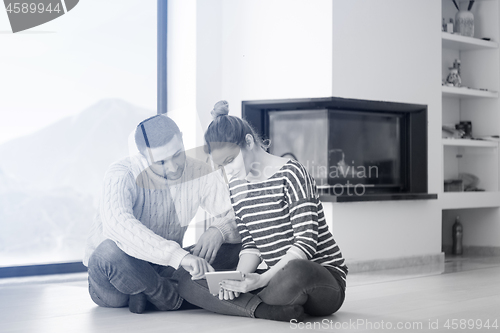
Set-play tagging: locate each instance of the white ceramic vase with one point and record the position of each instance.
(464, 23)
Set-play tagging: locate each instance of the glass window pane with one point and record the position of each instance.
(71, 93)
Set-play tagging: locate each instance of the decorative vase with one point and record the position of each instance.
(464, 23)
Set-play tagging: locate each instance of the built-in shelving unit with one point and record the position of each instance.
(476, 101)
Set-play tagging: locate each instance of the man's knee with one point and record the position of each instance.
(107, 252)
(107, 299)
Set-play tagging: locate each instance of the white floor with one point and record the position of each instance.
(375, 302)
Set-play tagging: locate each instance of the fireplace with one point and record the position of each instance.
(357, 150)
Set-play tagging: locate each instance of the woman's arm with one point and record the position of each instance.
(248, 263)
(254, 281)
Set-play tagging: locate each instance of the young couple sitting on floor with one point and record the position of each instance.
(269, 212)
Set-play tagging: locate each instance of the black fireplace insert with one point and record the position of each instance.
(357, 150)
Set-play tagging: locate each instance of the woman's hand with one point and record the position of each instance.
(227, 294)
(231, 289)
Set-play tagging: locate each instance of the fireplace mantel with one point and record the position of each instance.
(378, 197)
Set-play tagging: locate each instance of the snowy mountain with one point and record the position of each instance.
(75, 151)
(7, 183)
(50, 180)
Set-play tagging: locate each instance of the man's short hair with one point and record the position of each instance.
(155, 132)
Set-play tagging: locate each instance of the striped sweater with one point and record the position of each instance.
(284, 214)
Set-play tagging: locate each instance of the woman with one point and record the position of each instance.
(281, 221)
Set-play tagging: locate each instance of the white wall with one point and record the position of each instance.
(381, 50)
(276, 49)
(258, 49)
(390, 50)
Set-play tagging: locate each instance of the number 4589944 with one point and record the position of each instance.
(25, 8)
(470, 324)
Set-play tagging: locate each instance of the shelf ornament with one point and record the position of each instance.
(454, 79)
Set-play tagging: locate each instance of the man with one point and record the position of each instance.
(147, 203)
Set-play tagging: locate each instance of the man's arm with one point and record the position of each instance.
(129, 234)
(215, 200)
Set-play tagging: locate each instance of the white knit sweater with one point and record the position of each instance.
(147, 215)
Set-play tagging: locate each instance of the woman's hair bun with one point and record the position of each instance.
(221, 108)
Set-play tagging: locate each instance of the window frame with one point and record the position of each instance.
(77, 266)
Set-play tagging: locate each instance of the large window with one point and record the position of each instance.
(71, 93)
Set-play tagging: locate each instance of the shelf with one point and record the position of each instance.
(462, 43)
(470, 143)
(462, 200)
(454, 92)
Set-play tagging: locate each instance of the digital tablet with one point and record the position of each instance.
(214, 278)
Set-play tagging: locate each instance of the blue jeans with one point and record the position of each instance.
(301, 282)
(114, 276)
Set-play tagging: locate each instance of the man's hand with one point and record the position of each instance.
(196, 266)
(208, 245)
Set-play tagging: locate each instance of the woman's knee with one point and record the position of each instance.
(298, 265)
(299, 270)
(293, 278)
(302, 274)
